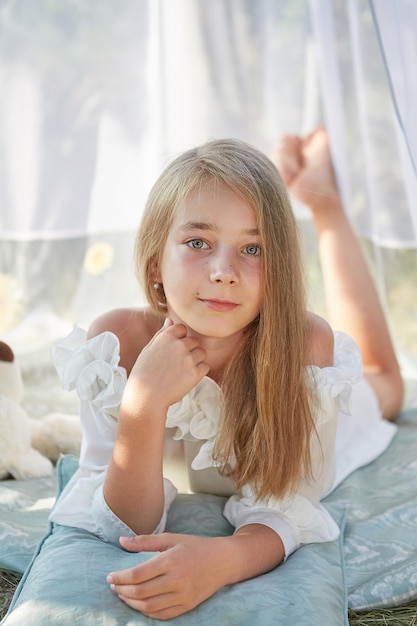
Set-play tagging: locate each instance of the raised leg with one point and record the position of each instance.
(351, 297)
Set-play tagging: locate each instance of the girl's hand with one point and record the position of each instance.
(168, 367)
(184, 574)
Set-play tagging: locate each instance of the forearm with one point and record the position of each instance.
(253, 550)
(134, 486)
(168, 367)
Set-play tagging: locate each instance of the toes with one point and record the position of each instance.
(287, 157)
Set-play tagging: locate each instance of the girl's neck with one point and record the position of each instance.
(219, 354)
(216, 375)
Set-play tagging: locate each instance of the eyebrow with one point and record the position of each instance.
(207, 226)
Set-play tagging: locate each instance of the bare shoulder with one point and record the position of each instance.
(123, 322)
(320, 341)
(133, 327)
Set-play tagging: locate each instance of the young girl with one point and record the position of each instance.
(229, 357)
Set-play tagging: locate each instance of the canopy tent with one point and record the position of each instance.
(96, 97)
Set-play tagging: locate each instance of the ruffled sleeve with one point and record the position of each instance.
(334, 384)
(91, 367)
(196, 418)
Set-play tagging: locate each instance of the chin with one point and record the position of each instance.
(216, 331)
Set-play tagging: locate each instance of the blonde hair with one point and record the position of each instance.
(267, 421)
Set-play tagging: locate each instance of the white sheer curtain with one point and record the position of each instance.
(396, 26)
(366, 52)
(96, 98)
(360, 113)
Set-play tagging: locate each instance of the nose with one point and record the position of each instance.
(223, 269)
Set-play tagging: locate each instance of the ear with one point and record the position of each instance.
(155, 273)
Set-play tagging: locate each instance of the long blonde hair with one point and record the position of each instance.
(266, 425)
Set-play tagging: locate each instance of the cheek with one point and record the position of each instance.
(181, 260)
(177, 265)
(254, 275)
(257, 283)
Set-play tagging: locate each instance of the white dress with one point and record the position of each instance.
(351, 433)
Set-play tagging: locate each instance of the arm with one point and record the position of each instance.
(174, 582)
(165, 370)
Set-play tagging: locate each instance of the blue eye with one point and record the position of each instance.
(253, 250)
(196, 244)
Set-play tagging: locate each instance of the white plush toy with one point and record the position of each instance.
(29, 446)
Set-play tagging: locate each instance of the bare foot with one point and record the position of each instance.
(306, 168)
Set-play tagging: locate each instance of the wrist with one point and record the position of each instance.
(253, 550)
(142, 404)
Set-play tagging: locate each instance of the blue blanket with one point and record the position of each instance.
(374, 563)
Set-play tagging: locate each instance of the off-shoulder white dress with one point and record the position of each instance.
(351, 433)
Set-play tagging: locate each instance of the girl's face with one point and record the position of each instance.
(211, 263)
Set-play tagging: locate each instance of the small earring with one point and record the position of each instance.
(156, 286)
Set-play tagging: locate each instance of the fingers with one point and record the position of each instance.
(159, 597)
(135, 576)
(129, 581)
(167, 323)
(171, 582)
(178, 331)
(146, 587)
(147, 543)
(167, 368)
(153, 597)
(150, 569)
(158, 607)
(190, 343)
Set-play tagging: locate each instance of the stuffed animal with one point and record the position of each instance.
(29, 446)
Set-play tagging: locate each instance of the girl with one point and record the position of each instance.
(229, 357)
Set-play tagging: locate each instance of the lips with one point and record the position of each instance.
(223, 306)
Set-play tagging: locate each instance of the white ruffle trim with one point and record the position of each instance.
(92, 367)
(334, 384)
(196, 416)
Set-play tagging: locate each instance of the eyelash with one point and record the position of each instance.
(251, 245)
